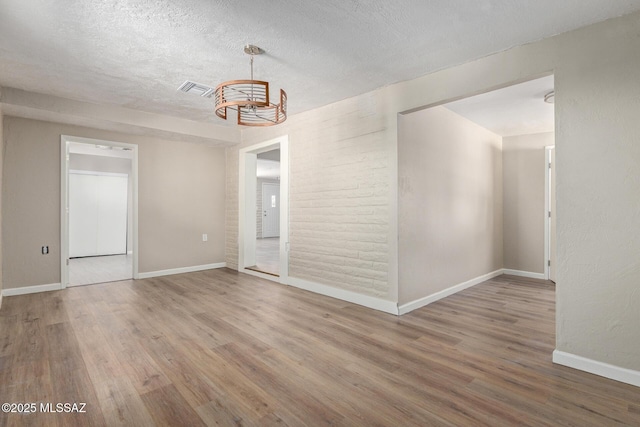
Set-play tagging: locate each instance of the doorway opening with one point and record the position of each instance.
(99, 211)
(472, 190)
(523, 116)
(267, 213)
(264, 210)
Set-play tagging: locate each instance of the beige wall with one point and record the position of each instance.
(523, 159)
(595, 74)
(1, 192)
(598, 183)
(449, 202)
(181, 193)
(181, 196)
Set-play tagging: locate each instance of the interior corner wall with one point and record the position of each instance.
(180, 197)
(523, 160)
(449, 203)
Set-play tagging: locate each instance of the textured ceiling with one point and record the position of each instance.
(135, 54)
(514, 110)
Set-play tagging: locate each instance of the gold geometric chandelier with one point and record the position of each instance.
(250, 98)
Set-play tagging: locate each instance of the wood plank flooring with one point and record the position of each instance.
(221, 348)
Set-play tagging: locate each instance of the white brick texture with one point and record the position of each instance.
(340, 167)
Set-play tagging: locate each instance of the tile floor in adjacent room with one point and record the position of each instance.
(268, 255)
(100, 269)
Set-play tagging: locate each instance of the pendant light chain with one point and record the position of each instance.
(252, 77)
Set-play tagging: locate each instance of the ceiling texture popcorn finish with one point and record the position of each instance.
(134, 54)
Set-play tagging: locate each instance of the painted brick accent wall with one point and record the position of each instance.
(339, 211)
(340, 168)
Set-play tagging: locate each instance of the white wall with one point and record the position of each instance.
(523, 158)
(449, 202)
(598, 159)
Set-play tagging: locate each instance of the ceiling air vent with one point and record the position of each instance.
(196, 88)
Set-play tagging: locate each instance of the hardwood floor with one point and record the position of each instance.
(221, 348)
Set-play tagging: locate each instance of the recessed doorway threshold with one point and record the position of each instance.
(256, 268)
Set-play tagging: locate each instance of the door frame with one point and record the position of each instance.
(263, 186)
(247, 183)
(547, 208)
(65, 140)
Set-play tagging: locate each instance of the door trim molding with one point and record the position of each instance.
(248, 154)
(547, 206)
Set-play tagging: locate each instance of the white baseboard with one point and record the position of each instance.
(31, 289)
(344, 295)
(180, 270)
(0, 299)
(413, 305)
(606, 370)
(521, 273)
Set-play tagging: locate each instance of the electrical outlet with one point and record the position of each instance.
(204, 237)
(45, 250)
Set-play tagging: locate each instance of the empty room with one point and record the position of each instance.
(319, 213)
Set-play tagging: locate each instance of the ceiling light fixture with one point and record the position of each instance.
(250, 98)
(550, 97)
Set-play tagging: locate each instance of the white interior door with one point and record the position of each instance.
(83, 215)
(97, 214)
(270, 209)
